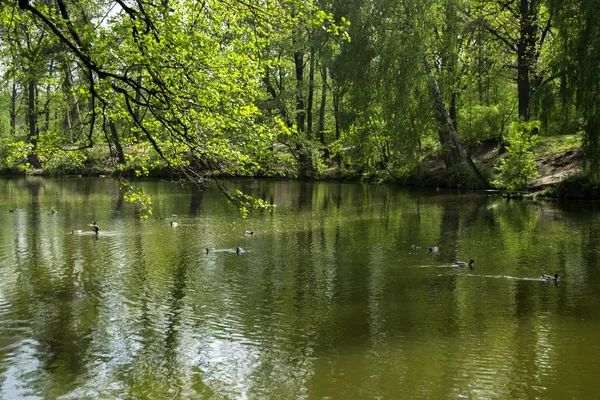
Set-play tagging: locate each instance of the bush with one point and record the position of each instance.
(579, 186)
(518, 169)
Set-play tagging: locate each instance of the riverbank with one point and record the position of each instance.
(558, 159)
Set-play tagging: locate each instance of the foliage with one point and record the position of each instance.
(14, 155)
(519, 167)
(227, 88)
(137, 195)
(580, 185)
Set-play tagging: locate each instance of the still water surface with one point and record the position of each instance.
(329, 300)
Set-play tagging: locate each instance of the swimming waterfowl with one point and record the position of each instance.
(462, 264)
(249, 233)
(174, 224)
(53, 211)
(433, 249)
(95, 227)
(550, 277)
(238, 250)
(76, 231)
(11, 210)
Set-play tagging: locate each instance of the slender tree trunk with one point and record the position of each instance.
(322, 108)
(336, 114)
(13, 110)
(300, 106)
(32, 158)
(138, 97)
(48, 97)
(71, 114)
(311, 91)
(274, 96)
(47, 109)
(453, 133)
(304, 160)
(115, 139)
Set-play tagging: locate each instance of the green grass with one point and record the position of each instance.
(548, 145)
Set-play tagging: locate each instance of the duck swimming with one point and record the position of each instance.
(433, 249)
(249, 233)
(95, 227)
(238, 250)
(462, 264)
(549, 278)
(173, 224)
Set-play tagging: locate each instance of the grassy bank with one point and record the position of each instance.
(557, 159)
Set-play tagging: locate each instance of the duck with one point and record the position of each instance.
(95, 227)
(238, 250)
(53, 211)
(462, 264)
(209, 249)
(11, 210)
(76, 231)
(173, 224)
(549, 278)
(249, 232)
(433, 249)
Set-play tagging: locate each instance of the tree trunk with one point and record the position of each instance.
(304, 160)
(138, 97)
(311, 92)
(279, 105)
(526, 48)
(322, 111)
(32, 136)
(336, 114)
(449, 125)
(71, 115)
(300, 107)
(115, 139)
(13, 110)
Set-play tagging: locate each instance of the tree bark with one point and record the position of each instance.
(322, 111)
(526, 53)
(311, 93)
(336, 114)
(138, 98)
(449, 125)
(115, 139)
(32, 136)
(13, 110)
(304, 159)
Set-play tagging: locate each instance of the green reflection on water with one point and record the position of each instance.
(330, 299)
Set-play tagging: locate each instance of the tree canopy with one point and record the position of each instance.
(253, 88)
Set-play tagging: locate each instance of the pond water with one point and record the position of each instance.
(328, 300)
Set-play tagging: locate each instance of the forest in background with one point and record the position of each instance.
(345, 89)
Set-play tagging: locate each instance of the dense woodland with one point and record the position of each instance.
(289, 88)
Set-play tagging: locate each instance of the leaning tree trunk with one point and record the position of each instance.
(452, 138)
